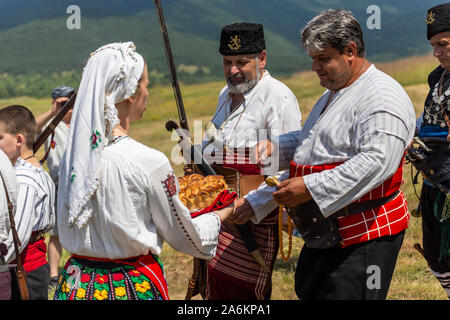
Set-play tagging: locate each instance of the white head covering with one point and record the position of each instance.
(111, 75)
(9, 176)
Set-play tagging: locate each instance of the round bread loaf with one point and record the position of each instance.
(198, 192)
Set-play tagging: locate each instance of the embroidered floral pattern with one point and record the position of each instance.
(170, 184)
(120, 292)
(142, 287)
(81, 293)
(100, 295)
(95, 139)
(121, 282)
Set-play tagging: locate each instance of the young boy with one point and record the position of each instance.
(35, 197)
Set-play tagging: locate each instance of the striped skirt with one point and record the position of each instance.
(233, 273)
(86, 279)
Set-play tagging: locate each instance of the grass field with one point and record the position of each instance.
(412, 279)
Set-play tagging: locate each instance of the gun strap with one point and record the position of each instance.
(21, 276)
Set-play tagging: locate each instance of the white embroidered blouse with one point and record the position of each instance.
(136, 209)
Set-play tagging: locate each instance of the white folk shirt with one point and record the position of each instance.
(269, 109)
(368, 124)
(35, 204)
(7, 171)
(56, 154)
(137, 208)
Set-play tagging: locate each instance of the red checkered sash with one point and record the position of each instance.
(388, 219)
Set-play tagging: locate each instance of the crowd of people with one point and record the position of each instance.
(112, 202)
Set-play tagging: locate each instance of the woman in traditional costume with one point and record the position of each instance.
(119, 199)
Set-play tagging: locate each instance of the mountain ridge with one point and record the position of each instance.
(35, 41)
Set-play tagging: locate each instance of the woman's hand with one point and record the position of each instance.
(224, 213)
(243, 212)
(263, 151)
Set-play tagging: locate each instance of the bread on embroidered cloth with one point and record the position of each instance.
(198, 192)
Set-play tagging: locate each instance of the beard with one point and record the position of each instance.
(244, 86)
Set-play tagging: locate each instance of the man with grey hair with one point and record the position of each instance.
(252, 105)
(343, 185)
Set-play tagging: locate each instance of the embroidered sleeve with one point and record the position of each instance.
(196, 237)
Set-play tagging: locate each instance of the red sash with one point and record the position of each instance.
(238, 158)
(388, 219)
(34, 255)
(145, 264)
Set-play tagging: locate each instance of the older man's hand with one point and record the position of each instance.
(262, 152)
(292, 192)
(243, 212)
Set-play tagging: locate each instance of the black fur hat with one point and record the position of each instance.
(242, 38)
(438, 19)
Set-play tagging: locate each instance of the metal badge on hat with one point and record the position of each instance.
(430, 18)
(235, 43)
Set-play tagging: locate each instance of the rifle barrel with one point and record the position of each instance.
(173, 74)
(54, 123)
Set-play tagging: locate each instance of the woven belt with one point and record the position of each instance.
(364, 206)
(4, 268)
(36, 235)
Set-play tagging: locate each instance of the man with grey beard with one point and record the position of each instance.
(252, 106)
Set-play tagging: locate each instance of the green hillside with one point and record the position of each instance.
(39, 52)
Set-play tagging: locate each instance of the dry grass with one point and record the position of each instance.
(411, 280)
